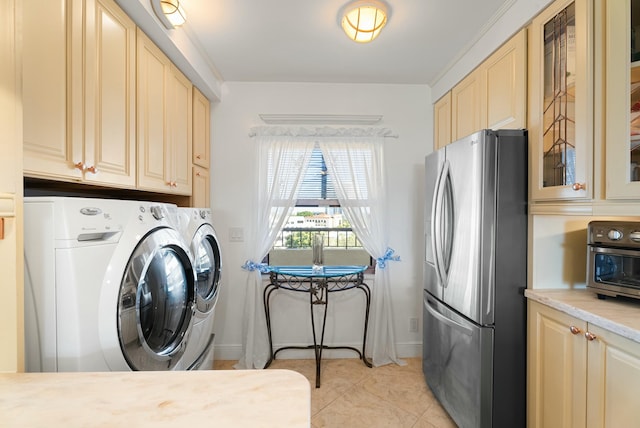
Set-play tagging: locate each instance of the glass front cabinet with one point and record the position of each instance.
(622, 99)
(561, 101)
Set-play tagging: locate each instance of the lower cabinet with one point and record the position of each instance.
(579, 375)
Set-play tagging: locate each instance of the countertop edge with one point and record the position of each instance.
(618, 316)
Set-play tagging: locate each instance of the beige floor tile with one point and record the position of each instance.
(359, 408)
(405, 390)
(353, 395)
(435, 417)
(223, 364)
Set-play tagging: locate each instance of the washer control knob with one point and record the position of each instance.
(203, 214)
(156, 211)
(614, 235)
(635, 236)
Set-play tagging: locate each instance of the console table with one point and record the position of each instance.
(319, 283)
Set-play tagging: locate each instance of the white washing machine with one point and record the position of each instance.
(196, 228)
(109, 286)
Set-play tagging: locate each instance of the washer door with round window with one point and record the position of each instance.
(156, 302)
(207, 265)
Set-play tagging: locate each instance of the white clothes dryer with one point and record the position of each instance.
(109, 286)
(197, 229)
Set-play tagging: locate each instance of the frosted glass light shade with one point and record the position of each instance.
(363, 20)
(170, 12)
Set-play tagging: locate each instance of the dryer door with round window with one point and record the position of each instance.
(206, 253)
(156, 302)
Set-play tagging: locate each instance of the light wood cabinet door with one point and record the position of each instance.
(622, 99)
(179, 116)
(110, 123)
(561, 96)
(442, 122)
(153, 140)
(51, 84)
(613, 380)
(467, 106)
(557, 366)
(505, 80)
(79, 96)
(163, 121)
(201, 129)
(201, 187)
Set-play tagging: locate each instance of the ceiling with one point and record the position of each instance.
(301, 40)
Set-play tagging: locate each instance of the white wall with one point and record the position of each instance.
(407, 110)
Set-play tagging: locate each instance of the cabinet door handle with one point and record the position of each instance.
(590, 336)
(92, 169)
(579, 186)
(574, 330)
(79, 166)
(198, 157)
(197, 174)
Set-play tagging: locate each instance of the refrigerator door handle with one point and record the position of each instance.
(429, 306)
(436, 224)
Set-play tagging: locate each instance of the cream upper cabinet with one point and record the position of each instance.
(201, 149)
(505, 85)
(442, 122)
(557, 366)
(164, 100)
(622, 99)
(493, 96)
(201, 187)
(51, 75)
(180, 122)
(579, 375)
(201, 129)
(110, 121)
(79, 97)
(561, 96)
(466, 106)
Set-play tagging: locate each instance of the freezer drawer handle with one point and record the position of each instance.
(451, 323)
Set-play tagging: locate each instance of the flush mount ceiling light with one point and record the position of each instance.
(362, 21)
(170, 12)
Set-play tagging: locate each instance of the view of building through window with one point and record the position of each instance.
(317, 213)
(293, 245)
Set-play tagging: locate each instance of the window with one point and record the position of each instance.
(317, 212)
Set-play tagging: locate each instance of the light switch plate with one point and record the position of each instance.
(236, 234)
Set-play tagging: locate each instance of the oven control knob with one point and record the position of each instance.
(614, 235)
(635, 236)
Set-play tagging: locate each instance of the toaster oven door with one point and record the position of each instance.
(614, 271)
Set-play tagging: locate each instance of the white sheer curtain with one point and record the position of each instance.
(354, 158)
(356, 165)
(282, 161)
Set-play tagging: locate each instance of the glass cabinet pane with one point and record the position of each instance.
(634, 125)
(559, 116)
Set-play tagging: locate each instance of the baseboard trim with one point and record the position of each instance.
(234, 352)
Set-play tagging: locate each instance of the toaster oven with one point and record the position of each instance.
(613, 260)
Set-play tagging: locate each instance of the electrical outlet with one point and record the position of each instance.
(413, 325)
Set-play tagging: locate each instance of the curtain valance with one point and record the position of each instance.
(319, 131)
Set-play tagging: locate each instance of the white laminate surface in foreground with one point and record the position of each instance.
(621, 316)
(219, 398)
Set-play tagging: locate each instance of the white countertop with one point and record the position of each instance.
(617, 315)
(220, 398)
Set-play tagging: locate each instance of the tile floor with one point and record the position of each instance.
(353, 395)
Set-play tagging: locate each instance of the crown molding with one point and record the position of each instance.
(289, 119)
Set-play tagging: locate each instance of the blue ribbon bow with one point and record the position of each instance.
(251, 266)
(388, 256)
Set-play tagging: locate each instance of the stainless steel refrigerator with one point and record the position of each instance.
(474, 319)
